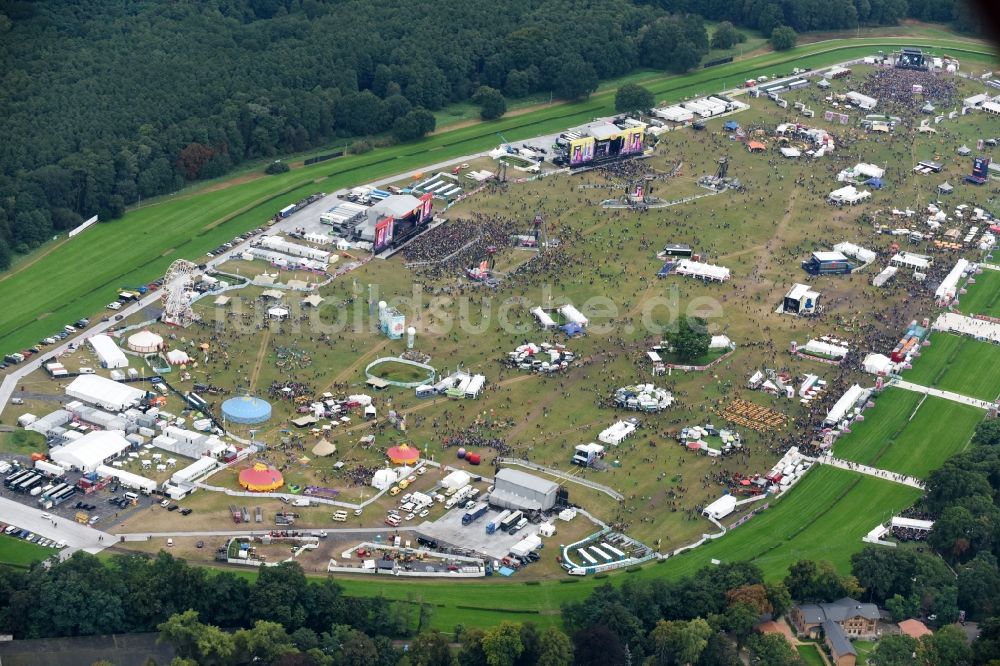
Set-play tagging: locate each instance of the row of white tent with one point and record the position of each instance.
(702, 270)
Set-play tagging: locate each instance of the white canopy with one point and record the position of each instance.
(877, 364)
(701, 270)
(108, 353)
(145, 342)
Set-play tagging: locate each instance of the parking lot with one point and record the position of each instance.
(98, 506)
(448, 530)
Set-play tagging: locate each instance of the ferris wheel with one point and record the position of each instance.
(177, 284)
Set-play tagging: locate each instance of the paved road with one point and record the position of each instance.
(75, 535)
(872, 471)
(938, 393)
(331, 531)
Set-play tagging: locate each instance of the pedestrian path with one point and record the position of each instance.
(938, 393)
(872, 471)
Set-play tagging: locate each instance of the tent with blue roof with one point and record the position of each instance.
(874, 182)
(572, 329)
(731, 125)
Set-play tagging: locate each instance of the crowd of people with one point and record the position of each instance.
(894, 88)
(288, 390)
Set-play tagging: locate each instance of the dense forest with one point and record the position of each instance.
(106, 103)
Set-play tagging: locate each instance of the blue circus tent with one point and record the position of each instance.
(874, 182)
(571, 329)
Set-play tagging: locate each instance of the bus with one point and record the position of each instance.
(29, 482)
(55, 490)
(510, 521)
(64, 494)
(17, 477)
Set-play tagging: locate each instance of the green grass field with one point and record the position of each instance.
(939, 430)
(958, 364)
(882, 423)
(983, 297)
(20, 553)
(889, 439)
(810, 655)
(139, 247)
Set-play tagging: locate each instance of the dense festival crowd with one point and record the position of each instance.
(894, 88)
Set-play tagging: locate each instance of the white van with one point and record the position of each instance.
(87, 371)
(131, 497)
(300, 501)
(340, 516)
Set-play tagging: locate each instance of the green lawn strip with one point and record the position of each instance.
(940, 429)
(19, 553)
(974, 371)
(863, 648)
(810, 655)
(983, 297)
(882, 424)
(138, 248)
(934, 359)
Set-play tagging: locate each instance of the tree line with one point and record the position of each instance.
(139, 99)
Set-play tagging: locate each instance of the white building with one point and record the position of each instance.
(89, 452)
(856, 251)
(104, 392)
(127, 479)
(851, 399)
(194, 470)
(108, 353)
(279, 244)
(863, 101)
(800, 300)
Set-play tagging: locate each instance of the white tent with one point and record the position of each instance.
(456, 479)
(822, 348)
(788, 151)
(701, 270)
(851, 250)
(92, 450)
(849, 195)
(177, 357)
(543, 318)
(108, 353)
(720, 342)
(721, 507)
(384, 478)
(847, 402)
(573, 315)
(278, 313)
(145, 342)
(617, 433)
(948, 288)
(917, 262)
(101, 391)
(877, 364)
(127, 479)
